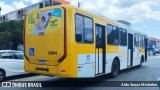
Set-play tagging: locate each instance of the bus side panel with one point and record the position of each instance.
(109, 61)
(111, 53)
(69, 64)
(86, 65)
(139, 52)
(86, 60)
(84, 53)
(123, 57)
(135, 56)
(116, 51)
(64, 68)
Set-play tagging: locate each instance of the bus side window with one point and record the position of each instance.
(140, 40)
(116, 35)
(123, 37)
(99, 42)
(135, 45)
(137, 40)
(79, 28)
(143, 41)
(113, 35)
(84, 29)
(109, 36)
(88, 30)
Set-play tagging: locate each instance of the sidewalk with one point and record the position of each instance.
(154, 57)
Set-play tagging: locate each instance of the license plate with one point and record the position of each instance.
(42, 61)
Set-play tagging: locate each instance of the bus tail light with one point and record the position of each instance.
(79, 67)
(61, 70)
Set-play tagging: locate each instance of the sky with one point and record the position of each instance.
(144, 15)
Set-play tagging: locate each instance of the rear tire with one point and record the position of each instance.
(115, 69)
(2, 75)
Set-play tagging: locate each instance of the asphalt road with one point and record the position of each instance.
(150, 71)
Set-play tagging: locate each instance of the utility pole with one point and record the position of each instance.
(80, 3)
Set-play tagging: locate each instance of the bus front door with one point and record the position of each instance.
(130, 50)
(100, 49)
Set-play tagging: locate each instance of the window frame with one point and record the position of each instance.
(93, 28)
(143, 41)
(14, 54)
(0, 55)
(139, 37)
(120, 36)
(135, 43)
(7, 58)
(102, 28)
(135, 40)
(107, 35)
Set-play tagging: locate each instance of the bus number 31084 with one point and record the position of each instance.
(52, 52)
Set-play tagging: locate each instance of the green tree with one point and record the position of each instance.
(11, 34)
(4, 36)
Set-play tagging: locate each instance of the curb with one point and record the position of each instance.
(152, 57)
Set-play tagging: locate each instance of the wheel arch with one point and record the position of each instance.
(3, 71)
(117, 58)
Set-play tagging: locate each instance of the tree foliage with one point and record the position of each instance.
(11, 34)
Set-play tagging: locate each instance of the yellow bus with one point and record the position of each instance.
(69, 42)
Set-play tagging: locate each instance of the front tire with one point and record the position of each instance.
(2, 75)
(115, 69)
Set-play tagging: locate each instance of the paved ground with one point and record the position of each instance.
(150, 71)
(153, 57)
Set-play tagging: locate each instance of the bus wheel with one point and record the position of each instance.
(2, 75)
(115, 69)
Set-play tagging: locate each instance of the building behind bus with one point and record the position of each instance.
(20, 13)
